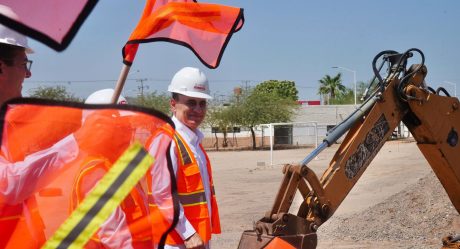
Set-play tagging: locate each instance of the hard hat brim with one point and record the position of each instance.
(29, 50)
(194, 94)
(15, 43)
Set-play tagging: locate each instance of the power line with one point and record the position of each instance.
(130, 79)
(83, 81)
(245, 84)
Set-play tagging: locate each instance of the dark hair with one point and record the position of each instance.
(9, 52)
(175, 96)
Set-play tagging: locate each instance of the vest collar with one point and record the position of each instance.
(194, 137)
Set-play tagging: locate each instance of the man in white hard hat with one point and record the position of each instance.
(198, 217)
(19, 180)
(14, 64)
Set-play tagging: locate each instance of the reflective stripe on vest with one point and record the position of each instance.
(194, 198)
(135, 213)
(14, 217)
(184, 153)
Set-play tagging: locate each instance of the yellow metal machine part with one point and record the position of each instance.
(433, 120)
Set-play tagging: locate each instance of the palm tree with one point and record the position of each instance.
(331, 86)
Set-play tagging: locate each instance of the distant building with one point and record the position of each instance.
(309, 102)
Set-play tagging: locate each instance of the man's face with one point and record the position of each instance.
(12, 76)
(190, 111)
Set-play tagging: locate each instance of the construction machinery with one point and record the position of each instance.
(432, 117)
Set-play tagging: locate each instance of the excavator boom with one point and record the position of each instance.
(401, 96)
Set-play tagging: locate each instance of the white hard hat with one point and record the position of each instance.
(11, 37)
(190, 81)
(104, 96)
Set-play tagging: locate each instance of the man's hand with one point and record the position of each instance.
(194, 242)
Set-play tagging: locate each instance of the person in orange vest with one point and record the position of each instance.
(19, 180)
(129, 225)
(198, 217)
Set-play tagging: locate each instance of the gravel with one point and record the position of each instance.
(417, 217)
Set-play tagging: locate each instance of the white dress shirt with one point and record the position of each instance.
(193, 139)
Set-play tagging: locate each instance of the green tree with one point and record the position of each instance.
(224, 117)
(154, 100)
(361, 88)
(262, 108)
(330, 87)
(284, 88)
(347, 97)
(212, 120)
(54, 93)
(216, 117)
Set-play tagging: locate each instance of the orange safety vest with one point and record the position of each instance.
(133, 206)
(18, 229)
(21, 225)
(191, 196)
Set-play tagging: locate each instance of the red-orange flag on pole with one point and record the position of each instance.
(54, 156)
(202, 27)
(54, 23)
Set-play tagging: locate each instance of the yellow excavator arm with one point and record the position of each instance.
(402, 96)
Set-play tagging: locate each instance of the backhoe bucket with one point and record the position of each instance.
(251, 240)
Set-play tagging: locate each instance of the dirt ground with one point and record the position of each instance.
(397, 203)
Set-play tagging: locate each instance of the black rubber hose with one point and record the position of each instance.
(376, 71)
(406, 77)
(442, 89)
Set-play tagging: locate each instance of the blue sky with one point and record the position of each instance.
(284, 40)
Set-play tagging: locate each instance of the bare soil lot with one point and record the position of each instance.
(397, 203)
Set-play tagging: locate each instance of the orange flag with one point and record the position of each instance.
(202, 27)
(53, 154)
(54, 23)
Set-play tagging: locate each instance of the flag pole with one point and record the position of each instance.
(120, 83)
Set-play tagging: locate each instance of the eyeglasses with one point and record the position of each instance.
(28, 64)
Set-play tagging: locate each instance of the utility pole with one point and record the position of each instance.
(246, 85)
(141, 87)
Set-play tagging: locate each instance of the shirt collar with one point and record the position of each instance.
(195, 137)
